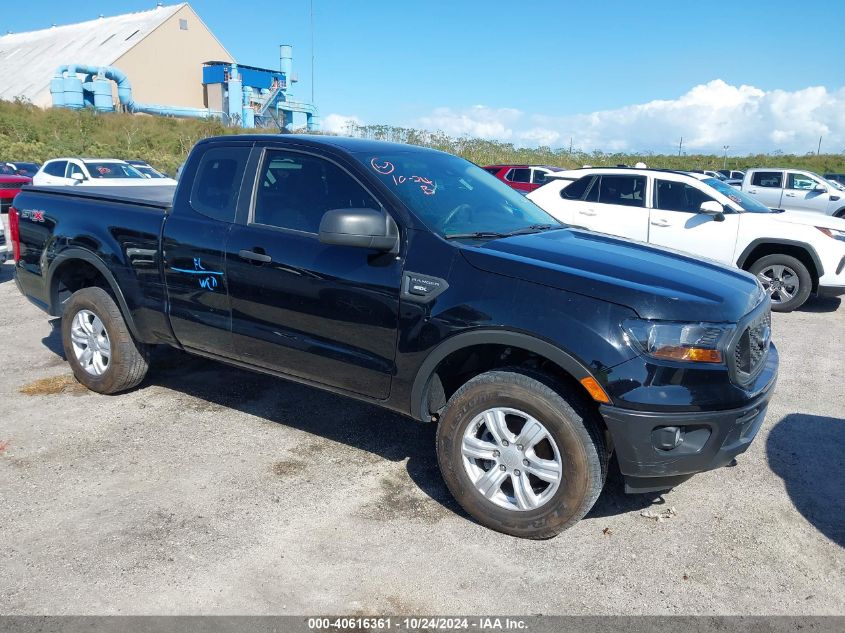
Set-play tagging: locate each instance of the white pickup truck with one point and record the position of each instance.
(793, 254)
(794, 190)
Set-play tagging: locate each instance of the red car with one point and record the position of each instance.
(523, 178)
(10, 186)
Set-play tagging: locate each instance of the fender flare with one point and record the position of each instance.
(740, 262)
(90, 258)
(509, 338)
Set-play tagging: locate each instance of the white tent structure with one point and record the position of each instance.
(161, 50)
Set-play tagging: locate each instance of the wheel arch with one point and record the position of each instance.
(428, 388)
(65, 261)
(802, 251)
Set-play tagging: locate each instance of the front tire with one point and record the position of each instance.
(98, 345)
(522, 456)
(786, 279)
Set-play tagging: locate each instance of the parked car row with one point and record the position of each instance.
(97, 172)
(793, 253)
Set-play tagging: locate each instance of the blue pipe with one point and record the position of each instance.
(124, 93)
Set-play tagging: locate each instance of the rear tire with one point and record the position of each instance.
(786, 279)
(98, 345)
(504, 492)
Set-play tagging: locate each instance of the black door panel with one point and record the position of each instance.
(321, 312)
(194, 247)
(197, 288)
(325, 313)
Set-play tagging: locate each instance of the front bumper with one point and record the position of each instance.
(711, 439)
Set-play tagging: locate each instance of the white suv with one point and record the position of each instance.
(791, 253)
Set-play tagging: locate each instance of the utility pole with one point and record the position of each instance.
(680, 145)
(570, 146)
(725, 147)
(819, 150)
(312, 51)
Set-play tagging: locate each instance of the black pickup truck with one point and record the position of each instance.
(416, 281)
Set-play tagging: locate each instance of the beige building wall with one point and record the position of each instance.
(166, 66)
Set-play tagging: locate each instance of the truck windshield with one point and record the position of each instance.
(746, 202)
(112, 170)
(455, 198)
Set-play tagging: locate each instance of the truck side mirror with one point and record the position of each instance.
(711, 207)
(77, 177)
(820, 189)
(360, 228)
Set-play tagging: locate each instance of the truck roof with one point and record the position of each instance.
(351, 145)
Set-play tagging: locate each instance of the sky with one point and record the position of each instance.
(756, 75)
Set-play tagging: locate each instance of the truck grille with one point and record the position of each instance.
(752, 347)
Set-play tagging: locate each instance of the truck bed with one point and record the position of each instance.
(158, 197)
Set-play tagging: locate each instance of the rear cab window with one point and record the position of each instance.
(217, 182)
(770, 179)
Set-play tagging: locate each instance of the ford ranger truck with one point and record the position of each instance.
(415, 281)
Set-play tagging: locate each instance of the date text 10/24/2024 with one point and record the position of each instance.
(422, 623)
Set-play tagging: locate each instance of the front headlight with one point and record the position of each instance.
(835, 234)
(692, 342)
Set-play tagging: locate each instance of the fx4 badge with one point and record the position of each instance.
(32, 215)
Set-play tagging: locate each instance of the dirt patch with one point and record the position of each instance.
(400, 498)
(286, 468)
(53, 385)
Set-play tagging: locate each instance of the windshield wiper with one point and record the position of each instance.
(534, 228)
(480, 235)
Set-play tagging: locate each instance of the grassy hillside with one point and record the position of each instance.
(30, 133)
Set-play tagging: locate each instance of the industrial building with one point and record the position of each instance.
(164, 61)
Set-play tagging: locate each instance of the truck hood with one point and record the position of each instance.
(656, 283)
(808, 218)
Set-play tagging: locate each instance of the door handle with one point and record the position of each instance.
(752, 191)
(660, 223)
(255, 257)
(789, 195)
(588, 212)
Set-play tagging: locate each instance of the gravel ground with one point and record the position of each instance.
(214, 490)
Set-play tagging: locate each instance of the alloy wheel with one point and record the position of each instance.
(91, 344)
(511, 459)
(781, 282)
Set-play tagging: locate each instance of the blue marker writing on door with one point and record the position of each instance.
(207, 279)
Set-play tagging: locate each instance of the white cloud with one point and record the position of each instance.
(715, 114)
(709, 116)
(338, 123)
(477, 121)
